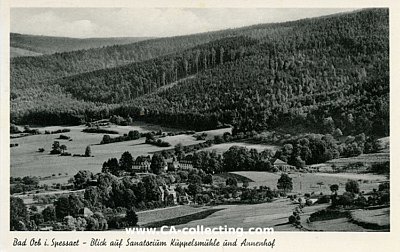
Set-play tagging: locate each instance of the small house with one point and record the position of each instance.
(281, 165)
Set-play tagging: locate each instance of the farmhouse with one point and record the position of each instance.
(281, 165)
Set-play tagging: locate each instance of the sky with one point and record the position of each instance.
(147, 22)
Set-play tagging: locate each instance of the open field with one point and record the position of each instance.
(274, 214)
(363, 158)
(307, 182)
(26, 160)
(339, 224)
(377, 218)
(146, 217)
(220, 148)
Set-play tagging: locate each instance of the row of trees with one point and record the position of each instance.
(314, 149)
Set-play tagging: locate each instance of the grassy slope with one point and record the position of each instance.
(19, 52)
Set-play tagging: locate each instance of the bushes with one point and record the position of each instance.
(99, 130)
(380, 168)
(64, 137)
(132, 135)
(28, 130)
(323, 199)
(327, 214)
(157, 142)
(14, 129)
(352, 186)
(295, 219)
(55, 151)
(131, 217)
(231, 182)
(47, 132)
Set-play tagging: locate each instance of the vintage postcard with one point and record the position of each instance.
(199, 125)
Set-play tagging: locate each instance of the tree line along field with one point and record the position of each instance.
(220, 148)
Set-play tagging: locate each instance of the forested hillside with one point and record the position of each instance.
(322, 73)
(48, 44)
(29, 70)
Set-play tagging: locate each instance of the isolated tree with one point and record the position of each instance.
(56, 145)
(285, 183)
(63, 148)
(334, 188)
(352, 186)
(88, 151)
(55, 149)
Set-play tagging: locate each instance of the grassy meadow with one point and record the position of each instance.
(27, 161)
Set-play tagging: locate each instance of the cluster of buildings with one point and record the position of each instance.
(171, 164)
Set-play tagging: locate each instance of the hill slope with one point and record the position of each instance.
(29, 70)
(48, 44)
(322, 73)
(19, 52)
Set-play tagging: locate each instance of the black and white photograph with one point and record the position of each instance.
(239, 118)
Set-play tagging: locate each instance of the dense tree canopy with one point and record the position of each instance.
(328, 74)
